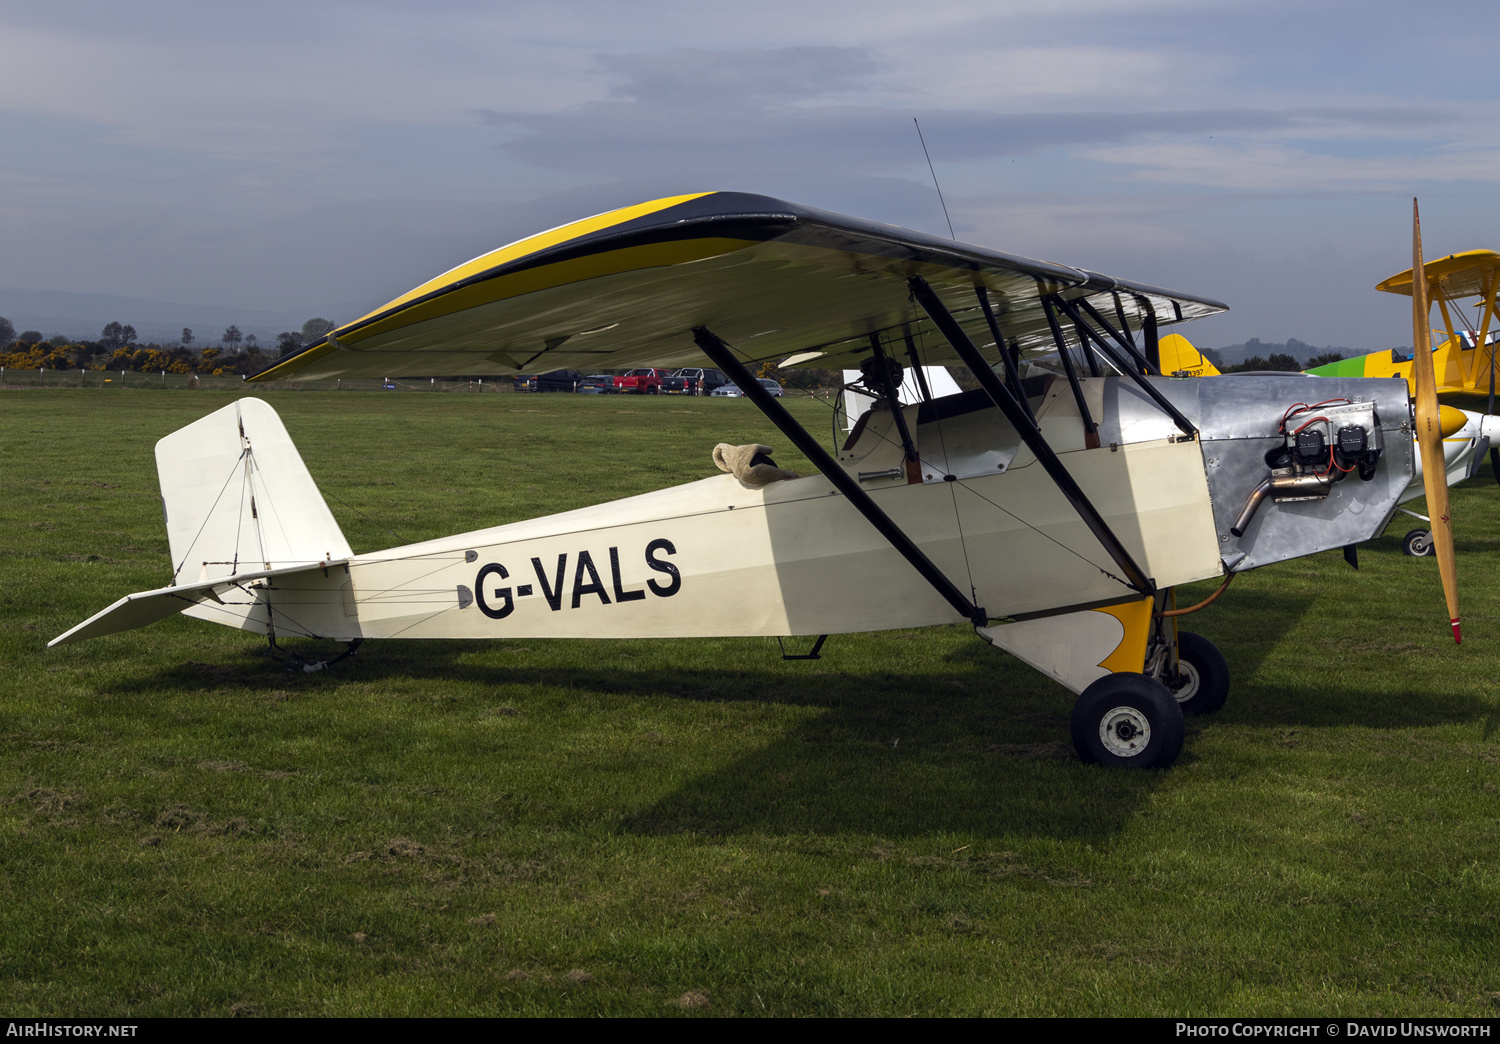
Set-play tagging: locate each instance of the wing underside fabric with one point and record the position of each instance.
(1472, 273)
(773, 279)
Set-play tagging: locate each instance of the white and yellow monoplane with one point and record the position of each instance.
(1055, 514)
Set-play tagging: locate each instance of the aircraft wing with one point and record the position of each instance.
(772, 278)
(1471, 273)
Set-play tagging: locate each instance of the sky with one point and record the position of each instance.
(320, 158)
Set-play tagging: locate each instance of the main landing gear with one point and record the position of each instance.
(1136, 675)
(1135, 720)
(1202, 682)
(1127, 720)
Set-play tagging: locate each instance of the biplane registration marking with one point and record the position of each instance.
(499, 602)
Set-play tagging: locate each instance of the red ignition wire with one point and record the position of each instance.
(1296, 407)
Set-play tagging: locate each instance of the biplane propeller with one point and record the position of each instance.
(1055, 514)
(1429, 426)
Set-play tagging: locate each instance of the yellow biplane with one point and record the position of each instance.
(1464, 361)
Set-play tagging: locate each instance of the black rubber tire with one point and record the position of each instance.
(1202, 683)
(1128, 721)
(1417, 543)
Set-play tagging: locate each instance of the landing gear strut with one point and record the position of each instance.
(1202, 682)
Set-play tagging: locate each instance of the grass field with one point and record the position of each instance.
(697, 827)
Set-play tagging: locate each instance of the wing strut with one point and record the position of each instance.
(1135, 577)
(1152, 353)
(1133, 372)
(1090, 429)
(725, 359)
(1012, 367)
(1089, 355)
(921, 372)
(889, 390)
(1153, 337)
(1145, 365)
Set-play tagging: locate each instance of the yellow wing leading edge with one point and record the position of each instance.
(772, 278)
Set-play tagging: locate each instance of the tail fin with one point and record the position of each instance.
(240, 507)
(1180, 357)
(238, 498)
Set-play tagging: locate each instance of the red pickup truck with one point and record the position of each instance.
(644, 380)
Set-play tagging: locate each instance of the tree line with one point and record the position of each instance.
(119, 348)
(1285, 360)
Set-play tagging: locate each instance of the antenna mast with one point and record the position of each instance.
(935, 180)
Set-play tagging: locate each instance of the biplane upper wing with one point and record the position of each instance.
(1464, 360)
(1471, 273)
(772, 278)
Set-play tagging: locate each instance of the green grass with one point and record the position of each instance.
(697, 827)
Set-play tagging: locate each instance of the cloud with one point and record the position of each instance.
(312, 152)
(743, 114)
(1270, 166)
(300, 81)
(710, 79)
(1073, 230)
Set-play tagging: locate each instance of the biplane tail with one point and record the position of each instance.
(240, 506)
(238, 498)
(1180, 358)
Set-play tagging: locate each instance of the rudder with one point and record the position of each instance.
(238, 498)
(1178, 356)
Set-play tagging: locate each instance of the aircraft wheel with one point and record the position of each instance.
(1417, 543)
(1202, 675)
(1127, 721)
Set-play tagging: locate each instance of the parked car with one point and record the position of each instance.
(597, 384)
(730, 391)
(556, 381)
(643, 380)
(694, 380)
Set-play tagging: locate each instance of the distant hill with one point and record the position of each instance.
(81, 317)
(1235, 354)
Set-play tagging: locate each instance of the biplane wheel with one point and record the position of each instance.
(1202, 675)
(1417, 543)
(1128, 721)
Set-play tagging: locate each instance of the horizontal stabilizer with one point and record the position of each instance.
(147, 607)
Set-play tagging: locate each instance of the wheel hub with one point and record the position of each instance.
(1187, 682)
(1124, 731)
